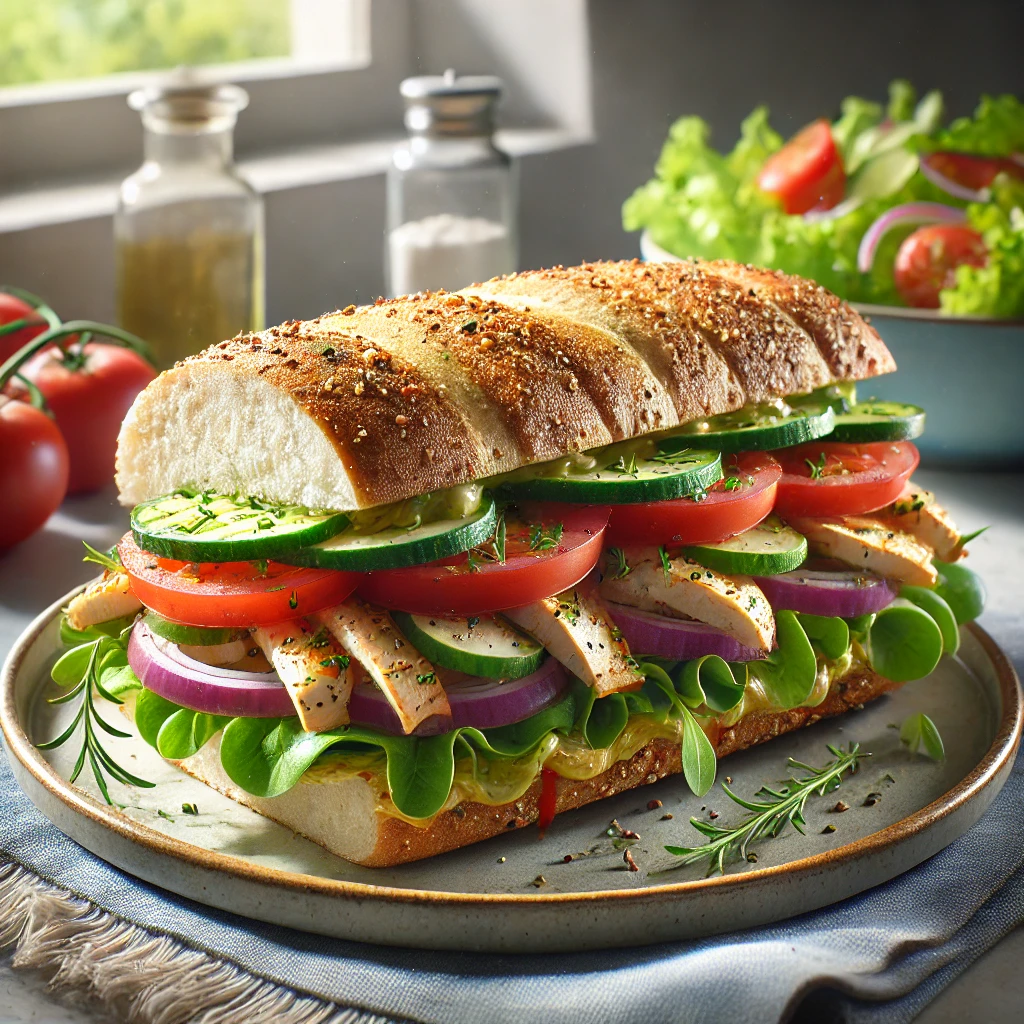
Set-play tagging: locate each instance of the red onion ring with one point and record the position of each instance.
(819, 592)
(679, 639)
(476, 702)
(163, 669)
(906, 213)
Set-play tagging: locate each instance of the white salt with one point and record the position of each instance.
(447, 251)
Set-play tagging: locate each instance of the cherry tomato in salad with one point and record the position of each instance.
(826, 478)
(740, 500)
(13, 308)
(239, 594)
(89, 394)
(548, 548)
(975, 172)
(33, 470)
(807, 173)
(927, 260)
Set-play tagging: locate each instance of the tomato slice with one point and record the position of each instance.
(826, 478)
(807, 173)
(239, 594)
(740, 500)
(975, 172)
(548, 548)
(927, 260)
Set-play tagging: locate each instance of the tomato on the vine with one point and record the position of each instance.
(33, 470)
(827, 478)
(807, 173)
(927, 260)
(13, 308)
(89, 393)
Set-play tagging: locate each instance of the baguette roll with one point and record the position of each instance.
(342, 816)
(373, 405)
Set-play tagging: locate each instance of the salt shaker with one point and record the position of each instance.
(188, 228)
(452, 193)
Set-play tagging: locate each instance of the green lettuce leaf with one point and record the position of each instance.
(996, 129)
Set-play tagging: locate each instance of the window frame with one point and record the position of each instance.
(50, 128)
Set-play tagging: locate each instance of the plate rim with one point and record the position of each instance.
(996, 759)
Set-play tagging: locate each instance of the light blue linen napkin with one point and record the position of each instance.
(900, 943)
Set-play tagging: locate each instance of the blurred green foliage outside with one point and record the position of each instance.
(57, 40)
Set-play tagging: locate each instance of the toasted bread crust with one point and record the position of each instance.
(354, 830)
(398, 842)
(428, 391)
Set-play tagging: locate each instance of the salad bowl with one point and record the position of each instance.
(966, 372)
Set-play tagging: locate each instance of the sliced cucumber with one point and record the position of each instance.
(208, 527)
(879, 421)
(767, 549)
(760, 429)
(485, 646)
(666, 475)
(191, 636)
(399, 546)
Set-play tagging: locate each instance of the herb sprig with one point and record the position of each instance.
(776, 809)
(100, 665)
(543, 538)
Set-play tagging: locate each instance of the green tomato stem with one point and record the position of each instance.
(59, 331)
(44, 309)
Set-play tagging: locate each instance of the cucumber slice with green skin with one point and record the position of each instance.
(666, 475)
(756, 431)
(191, 636)
(767, 549)
(209, 527)
(486, 646)
(399, 546)
(879, 421)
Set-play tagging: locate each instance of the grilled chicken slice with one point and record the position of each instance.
(108, 598)
(866, 543)
(314, 668)
(917, 512)
(407, 679)
(686, 589)
(576, 628)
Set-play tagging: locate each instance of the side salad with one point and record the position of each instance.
(888, 205)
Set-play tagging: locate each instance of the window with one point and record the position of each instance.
(105, 43)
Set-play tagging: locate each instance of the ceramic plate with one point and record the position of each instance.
(516, 892)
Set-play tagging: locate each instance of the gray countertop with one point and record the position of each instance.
(48, 565)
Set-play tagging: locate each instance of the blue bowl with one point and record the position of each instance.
(966, 372)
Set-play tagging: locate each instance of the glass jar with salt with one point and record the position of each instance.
(188, 230)
(452, 194)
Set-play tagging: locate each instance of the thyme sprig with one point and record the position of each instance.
(102, 666)
(776, 809)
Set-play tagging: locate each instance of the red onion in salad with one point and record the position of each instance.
(954, 188)
(163, 669)
(475, 701)
(820, 592)
(679, 639)
(907, 213)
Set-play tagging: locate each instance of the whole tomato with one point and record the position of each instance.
(14, 308)
(89, 392)
(33, 470)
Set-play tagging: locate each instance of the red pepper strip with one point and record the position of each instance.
(548, 799)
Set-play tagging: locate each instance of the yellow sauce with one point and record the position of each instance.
(503, 781)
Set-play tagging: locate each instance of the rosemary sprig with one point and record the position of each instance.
(817, 468)
(542, 538)
(773, 812)
(102, 656)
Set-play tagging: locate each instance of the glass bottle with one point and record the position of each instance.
(452, 193)
(188, 230)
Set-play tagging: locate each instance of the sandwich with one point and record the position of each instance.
(411, 575)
